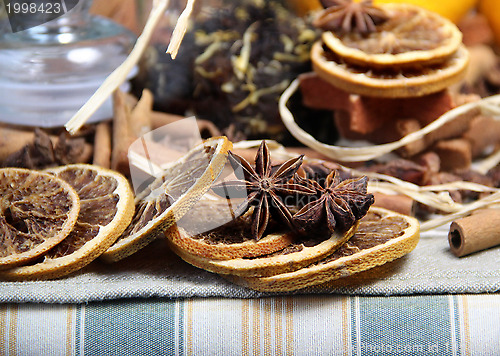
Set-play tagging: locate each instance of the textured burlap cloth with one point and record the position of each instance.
(157, 272)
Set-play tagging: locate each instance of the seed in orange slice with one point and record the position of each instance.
(411, 37)
(301, 252)
(37, 211)
(388, 83)
(382, 236)
(171, 195)
(106, 209)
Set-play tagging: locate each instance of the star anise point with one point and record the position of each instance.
(346, 16)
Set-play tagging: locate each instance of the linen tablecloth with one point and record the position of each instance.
(157, 272)
(286, 325)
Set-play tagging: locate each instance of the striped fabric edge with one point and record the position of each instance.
(298, 325)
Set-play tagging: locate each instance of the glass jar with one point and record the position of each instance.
(49, 71)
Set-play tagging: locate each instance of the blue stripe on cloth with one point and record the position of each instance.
(404, 326)
(78, 332)
(132, 327)
(456, 322)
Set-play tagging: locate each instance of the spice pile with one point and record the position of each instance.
(292, 230)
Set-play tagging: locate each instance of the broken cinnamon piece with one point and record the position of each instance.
(475, 233)
(405, 127)
(398, 203)
(122, 136)
(403, 169)
(102, 145)
(470, 175)
(319, 94)
(368, 114)
(140, 116)
(454, 128)
(430, 160)
(483, 133)
(454, 154)
(444, 178)
(363, 117)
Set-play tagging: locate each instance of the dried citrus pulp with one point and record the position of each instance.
(414, 52)
(231, 240)
(299, 252)
(179, 187)
(37, 211)
(106, 207)
(382, 236)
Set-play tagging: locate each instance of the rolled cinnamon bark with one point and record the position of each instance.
(474, 233)
(398, 203)
(102, 145)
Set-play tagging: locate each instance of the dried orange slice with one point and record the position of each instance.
(107, 206)
(301, 252)
(171, 195)
(388, 83)
(382, 236)
(37, 211)
(412, 36)
(230, 238)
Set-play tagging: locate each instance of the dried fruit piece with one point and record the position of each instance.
(298, 254)
(382, 236)
(398, 83)
(171, 195)
(411, 37)
(229, 238)
(37, 211)
(107, 206)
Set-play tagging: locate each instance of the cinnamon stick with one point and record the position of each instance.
(140, 116)
(475, 233)
(398, 203)
(122, 136)
(102, 145)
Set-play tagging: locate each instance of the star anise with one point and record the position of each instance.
(339, 204)
(346, 16)
(264, 187)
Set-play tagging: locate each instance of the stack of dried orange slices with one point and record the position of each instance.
(342, 234)
(56, 222)
(390, 50)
